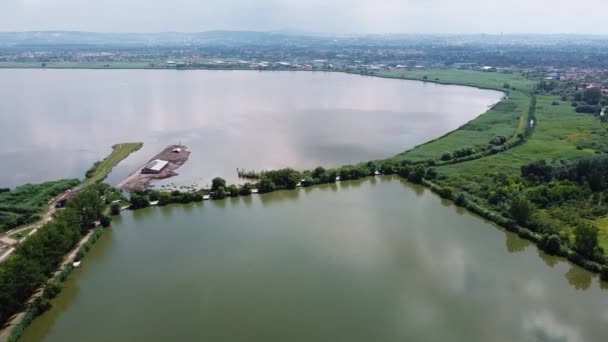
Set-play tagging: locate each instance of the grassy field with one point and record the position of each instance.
(503, 119)
(101, 169)
(489, 80)
(559, 134)
(26, 203)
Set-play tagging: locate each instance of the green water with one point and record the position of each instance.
(376, 260)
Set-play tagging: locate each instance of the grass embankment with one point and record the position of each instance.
(560, 134)
(100, 170)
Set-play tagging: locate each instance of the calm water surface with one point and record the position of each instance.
(56, 123)
(377, 260)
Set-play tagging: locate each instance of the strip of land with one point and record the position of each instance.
(161, 166)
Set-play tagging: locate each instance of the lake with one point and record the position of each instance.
(57, 123)
(372, 260)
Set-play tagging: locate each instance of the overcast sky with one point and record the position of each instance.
(336, 16)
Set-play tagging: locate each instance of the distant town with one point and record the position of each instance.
(582, 60)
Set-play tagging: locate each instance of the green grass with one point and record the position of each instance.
(602, 224)
(489, 80)
(503, 119)
(559, 134)
(119, 152)
(26, 203)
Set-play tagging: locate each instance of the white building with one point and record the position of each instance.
(155, 166)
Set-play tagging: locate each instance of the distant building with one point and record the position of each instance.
(488, 69)
(177, 150)
(155, 166)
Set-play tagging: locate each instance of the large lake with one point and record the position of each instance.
(375, 260)
(56, 123)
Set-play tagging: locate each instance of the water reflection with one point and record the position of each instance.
(273, 115)
(515, 244)
(579, 278)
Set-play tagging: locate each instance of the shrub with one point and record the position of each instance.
(521, 209)
(551, 244)
(604, 273)
(446, 156)
(105, 221)
(115, 208)
(217, 182)
(245, 189)
(446, 192)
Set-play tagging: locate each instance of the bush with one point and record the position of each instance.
(460, 200)
(266, 185)
(551, 244)
(217, 182)
(105, 221)
(52, 289)
(446, 156)
(115, 208)
(446, 192)
(521, 209)
(220, 193)
(417, 174)
(245, 189)
(604, 273)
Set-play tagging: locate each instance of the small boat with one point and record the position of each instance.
(77, 264)
(377, 173)
(206, 197)
(254, 191)
(338, 179)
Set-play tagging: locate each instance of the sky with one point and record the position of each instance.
(326, 16)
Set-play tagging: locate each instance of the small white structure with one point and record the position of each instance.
(77, 264)
(254, 191)
(154, 203)
(377, 173)
(338, 179)
(177, 150)
(206, 197)
(155, 166)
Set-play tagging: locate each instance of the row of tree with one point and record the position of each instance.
(39, 256)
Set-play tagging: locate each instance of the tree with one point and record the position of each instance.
(105, 221)
(551, 244)
(592, 96)
(220, 193)
(232, 190)
(266, 185)
(216, 183)
(586, 242)
(88, 205)
(138, 201)
(245, 189)
(446, 156)
(521, 209)
(417, 174)
(115, 208)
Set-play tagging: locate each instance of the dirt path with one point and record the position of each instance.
(47, 217)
